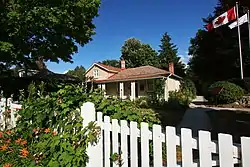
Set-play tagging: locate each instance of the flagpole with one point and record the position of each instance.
(241, 64)
(248, 19)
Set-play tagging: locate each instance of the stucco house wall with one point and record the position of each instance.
(171, 85)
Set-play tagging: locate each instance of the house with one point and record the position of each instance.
(131, 83)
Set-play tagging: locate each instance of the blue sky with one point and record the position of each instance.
(145, 20)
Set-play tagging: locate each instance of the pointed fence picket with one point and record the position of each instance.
(139, 145)
(132, 142)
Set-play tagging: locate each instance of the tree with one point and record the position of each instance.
(138, 54)
(78, 72)
(215, 54)
(168, 54)
(49, 30)
(113, 63)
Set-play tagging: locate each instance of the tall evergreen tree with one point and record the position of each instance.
(215, 54)
(138, 54)
(168, 53)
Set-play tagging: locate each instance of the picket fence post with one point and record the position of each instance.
(88, 114)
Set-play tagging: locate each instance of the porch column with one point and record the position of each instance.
(100, 86)
(104, 89)
(121, 90)
(132, 97)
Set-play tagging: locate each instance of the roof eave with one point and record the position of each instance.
(176, 76)
(131, 79)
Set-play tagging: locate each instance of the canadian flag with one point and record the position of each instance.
(225, 18)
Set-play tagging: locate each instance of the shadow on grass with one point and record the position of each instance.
(170, 116)
(236, 123)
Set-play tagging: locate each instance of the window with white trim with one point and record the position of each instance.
(96, 73)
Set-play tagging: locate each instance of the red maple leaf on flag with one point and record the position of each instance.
(220, 20)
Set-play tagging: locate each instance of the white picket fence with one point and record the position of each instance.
(132, 142)
(123, 138)
(7, 113)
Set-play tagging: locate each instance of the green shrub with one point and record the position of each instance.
(243, 83)
(142, 102)
(188, 88)
(183, 97)
(38, 140)
(179, 99)
(223, 92)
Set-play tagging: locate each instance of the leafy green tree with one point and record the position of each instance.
(78, 72)
(113, 63)
(138, 54)
(215, 54)
(168, 54)
(49, 30)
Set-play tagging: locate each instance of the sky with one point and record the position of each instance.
(146, 20)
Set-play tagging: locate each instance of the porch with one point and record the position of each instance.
(128, 89)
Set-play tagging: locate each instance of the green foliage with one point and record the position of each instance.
(50, 30)
(215, 54)
(78, 72)
(142, 102)
(184, 96)
(157, 96)
(243, 83)
(188, 86)
(113, 63)
(179, 99)
(52, 126)
(116, 158)
(168, 53)
(223, 92)
(136, 53)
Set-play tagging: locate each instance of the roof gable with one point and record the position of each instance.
(104, 67)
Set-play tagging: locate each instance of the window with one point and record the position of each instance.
(150, 84)
(96, 73)
(141, 87)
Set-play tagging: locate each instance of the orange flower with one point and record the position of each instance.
(4, 147)
(47, 130)
(8, 132)
(8, 141)
(18, 141)
(54, 133)
(1, 134)
(7, 165)
(24, 142)
(24, 152)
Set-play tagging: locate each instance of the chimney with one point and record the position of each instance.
(123, 65)
(171, 68)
